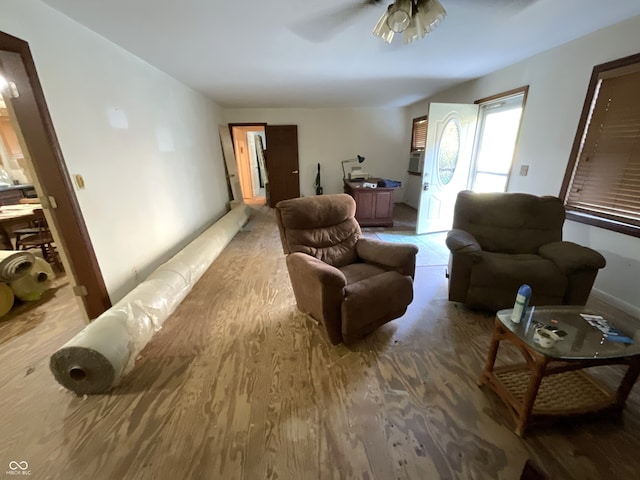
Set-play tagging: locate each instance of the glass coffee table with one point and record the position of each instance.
(552, 381)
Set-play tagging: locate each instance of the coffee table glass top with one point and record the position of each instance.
(582, 340)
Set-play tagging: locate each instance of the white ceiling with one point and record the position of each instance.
(246, 53)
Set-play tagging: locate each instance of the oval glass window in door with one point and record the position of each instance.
(448, 152)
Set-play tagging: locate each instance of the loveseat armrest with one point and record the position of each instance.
(400, 257)
(570, 257)
(462, 242)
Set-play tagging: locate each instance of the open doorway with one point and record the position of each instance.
(249, 142)
(468, 146)
(45, 168)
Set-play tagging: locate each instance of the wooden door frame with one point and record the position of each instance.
(36, 127)
(243, 160)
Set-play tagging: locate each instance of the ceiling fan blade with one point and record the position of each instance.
(503, 5)
(326, 24)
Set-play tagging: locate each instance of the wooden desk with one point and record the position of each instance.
(12, 216)
(374, 206)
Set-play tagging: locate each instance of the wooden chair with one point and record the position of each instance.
(41, 238)
(32, 229)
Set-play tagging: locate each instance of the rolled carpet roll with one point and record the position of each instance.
(6, 299)
(93, 360)
(98, 357)
(37, 281)
(14, 264)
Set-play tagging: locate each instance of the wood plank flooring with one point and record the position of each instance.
(239, 385)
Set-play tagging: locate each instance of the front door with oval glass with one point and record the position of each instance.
(450, 136)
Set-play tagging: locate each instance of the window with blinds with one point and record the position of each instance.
(419, 134)
(602, 182)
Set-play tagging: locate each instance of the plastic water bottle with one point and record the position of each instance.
(522, 302)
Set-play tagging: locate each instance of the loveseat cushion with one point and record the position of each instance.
(509, 222)
(495, 280)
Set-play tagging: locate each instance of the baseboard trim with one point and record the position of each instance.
(616, 302)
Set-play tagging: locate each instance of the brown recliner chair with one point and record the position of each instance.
(501, 240)
(349, 283)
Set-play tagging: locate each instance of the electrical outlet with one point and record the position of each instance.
(524, 170)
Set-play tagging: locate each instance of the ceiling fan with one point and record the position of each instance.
(412, 18)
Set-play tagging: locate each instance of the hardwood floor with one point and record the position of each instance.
(239, 384)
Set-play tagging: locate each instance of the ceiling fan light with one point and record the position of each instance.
(382, 29)
(415, 31)
(411, 33)
(399, 15)
(430, 14)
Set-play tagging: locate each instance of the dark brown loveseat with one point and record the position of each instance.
(349, 283)
(502, 240)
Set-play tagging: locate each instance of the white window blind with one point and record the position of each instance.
(419, 134)
(606, 176)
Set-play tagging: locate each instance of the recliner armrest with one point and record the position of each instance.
(461, 241)
(319, 291)
(570, 257)
(397, 256)
(316, 270)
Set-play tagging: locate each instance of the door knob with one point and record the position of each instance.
(295, 171)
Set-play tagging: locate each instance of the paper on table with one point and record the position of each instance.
(610, 333)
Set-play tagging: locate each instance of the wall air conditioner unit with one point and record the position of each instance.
(416, 161)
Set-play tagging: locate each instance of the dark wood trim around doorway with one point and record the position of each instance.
(36, 127)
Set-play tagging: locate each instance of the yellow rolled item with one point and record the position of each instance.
(37, 281)
(6, 299)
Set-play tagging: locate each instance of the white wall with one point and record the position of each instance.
(330, 135)
(146, 145)
(558, 81)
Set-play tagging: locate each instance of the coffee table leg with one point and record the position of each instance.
(628, 381)
(493, 352)
(537, 373)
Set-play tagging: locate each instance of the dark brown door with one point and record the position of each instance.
(281, 160)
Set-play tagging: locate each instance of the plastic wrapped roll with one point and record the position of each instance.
(14, 264)
(93, 360)
(37, 281)
(96, 359)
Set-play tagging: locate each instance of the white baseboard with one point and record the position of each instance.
(616, 302)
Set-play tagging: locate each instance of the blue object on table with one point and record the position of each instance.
(389, 183)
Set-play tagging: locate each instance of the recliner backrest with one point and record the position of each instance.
(323, 226)
(509, 222)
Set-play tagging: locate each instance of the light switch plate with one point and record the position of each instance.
(524, 170)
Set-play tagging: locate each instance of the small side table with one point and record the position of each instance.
(552, 381)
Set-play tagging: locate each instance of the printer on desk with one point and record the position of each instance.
(357, 173)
